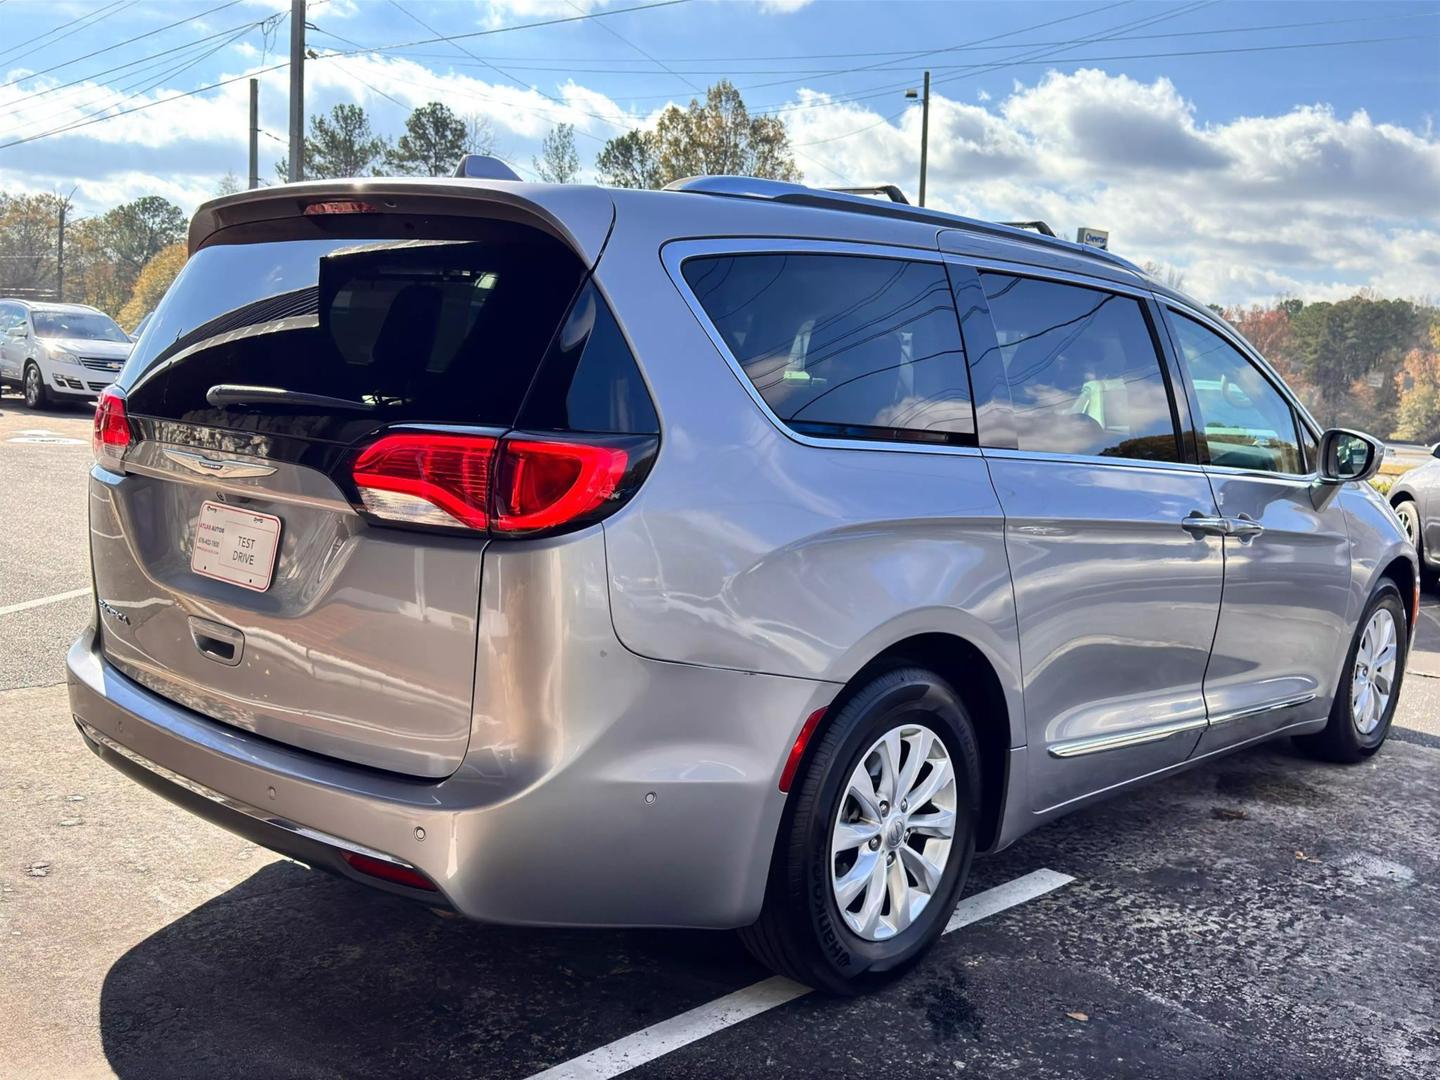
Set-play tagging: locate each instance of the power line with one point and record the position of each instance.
(516, 60)
(283, 64)
(520, 26)
(889, 88)
(92, 17)
(135, 63)
(116, 96)
(121, 44)
(626, 41)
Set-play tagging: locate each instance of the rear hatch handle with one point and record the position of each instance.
(221, 643)
(232, 394)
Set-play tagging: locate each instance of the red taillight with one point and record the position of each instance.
(427, 479)
(515, 486)
(797, 751)
(545, 484)
(112, 435)
(388, 871)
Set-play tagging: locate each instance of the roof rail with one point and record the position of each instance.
(890, 191)
(751, 187)
(1031, 226)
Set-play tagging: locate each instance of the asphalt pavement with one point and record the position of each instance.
(1262, 916)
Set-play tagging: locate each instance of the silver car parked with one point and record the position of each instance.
(737, 555)
(59, 352)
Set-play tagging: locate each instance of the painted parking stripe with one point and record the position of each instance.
(655, 1041)
(28, 604)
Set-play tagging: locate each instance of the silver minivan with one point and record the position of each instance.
(740, 555)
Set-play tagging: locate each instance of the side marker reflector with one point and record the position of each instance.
(797, 752)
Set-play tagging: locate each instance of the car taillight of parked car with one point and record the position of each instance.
(112, 436)
(515, 485)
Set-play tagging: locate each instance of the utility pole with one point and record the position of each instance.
(254, 134)
(924, 131)
(297, 90)
(60, 255)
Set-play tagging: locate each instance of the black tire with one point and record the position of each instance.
(33, 388)
(801, 932)
(1341, 740)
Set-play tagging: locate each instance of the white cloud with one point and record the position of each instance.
(1306, 203)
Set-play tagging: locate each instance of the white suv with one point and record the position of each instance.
(54, 351)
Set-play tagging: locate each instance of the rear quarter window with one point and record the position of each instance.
(846, 346)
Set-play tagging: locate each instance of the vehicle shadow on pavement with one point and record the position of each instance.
(1223, 922)
(295, 973)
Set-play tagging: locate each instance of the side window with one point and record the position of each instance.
(1245, 421)
(1083, 371)
(845, 346)
(10, 317)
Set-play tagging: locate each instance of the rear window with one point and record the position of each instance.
(843, 345)
(406, 331)
(1084, 374)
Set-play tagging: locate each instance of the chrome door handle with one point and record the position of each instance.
(1198, 524)
(1244, 527)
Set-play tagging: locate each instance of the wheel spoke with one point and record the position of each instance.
(869, 915)
(889, 748)
(925, 871)
(934, 782)
(862, 790)
(850, 835)
(938, 823)
(899, 887)
(919, 750)
(849, 885)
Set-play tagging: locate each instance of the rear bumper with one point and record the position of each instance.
(611, 836)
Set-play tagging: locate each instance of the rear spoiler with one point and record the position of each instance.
(579, 216)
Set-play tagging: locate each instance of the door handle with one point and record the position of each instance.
(1243, 527)
(1198, 524)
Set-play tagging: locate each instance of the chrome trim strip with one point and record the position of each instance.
(1002, 452)
(234, 804)
(223, 468)
(1179, 766)
(1257, 710)
(674, 254)
(1095, 744)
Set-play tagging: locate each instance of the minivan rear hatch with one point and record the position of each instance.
(233, 571)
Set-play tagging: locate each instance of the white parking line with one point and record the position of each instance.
(28, 604)
(655, 1041)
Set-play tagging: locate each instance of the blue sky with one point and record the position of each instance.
(1255, 156)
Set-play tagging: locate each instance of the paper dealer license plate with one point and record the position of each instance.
(234, 545)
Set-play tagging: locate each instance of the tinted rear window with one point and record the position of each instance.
(843, 345)
(1084, 374)
(417, 331)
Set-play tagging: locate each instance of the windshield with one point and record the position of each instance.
(89, 325)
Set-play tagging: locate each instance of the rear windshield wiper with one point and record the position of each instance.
(230, 394)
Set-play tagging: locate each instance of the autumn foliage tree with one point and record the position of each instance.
(150, 286)
(716, 137)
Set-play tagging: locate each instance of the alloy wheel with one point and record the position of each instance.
(1373, 680)
(893, 833)
(33, 387)
(1412, 527)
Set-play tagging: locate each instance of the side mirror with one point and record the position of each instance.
(1349, 455)
(1435, 450)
